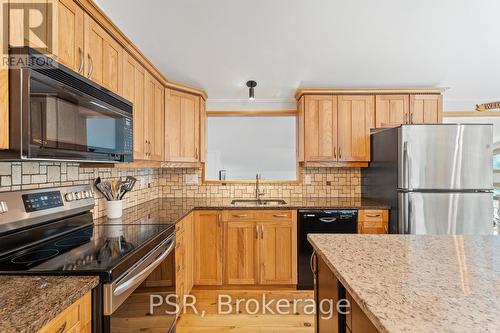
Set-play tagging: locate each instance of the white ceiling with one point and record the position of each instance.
(283, 44)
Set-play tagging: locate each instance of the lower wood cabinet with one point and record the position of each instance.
(373, 221)
(260, 247)
(184, 257)
(75, 319)
(208, 247)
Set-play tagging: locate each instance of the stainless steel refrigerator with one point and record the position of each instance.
(438, 179)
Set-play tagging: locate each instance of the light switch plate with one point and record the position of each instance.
(307, 180)
(191, 179)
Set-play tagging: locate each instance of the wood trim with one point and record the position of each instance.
(107, 24)
(251, 113)
(369, 91)
(186, 165)
(459, 114)
(225, 182)
(334, 164)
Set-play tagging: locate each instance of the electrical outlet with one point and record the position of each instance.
(143, 182)
(307, 180)
(191, 179)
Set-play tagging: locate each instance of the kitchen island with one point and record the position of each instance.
(411, 283)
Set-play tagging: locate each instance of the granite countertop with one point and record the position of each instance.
(172, 210)
(419, 283)
(27, 303)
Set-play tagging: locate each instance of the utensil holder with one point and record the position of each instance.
(114, 209)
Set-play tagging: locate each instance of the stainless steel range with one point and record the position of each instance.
(52, 232)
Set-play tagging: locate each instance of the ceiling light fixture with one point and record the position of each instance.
(251, 85)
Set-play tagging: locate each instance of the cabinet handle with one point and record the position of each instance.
(240, 215)
(91, 66)
(335, 152)
(150, 149)
(280, 215)
(411, 117)
(262, 231)
(80, 51)
(256, 231)
(340, 153)
(62, 328)
(372, 215)
(196, 152)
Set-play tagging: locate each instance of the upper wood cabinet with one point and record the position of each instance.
(426, 109)
(103, 56)
(391, 110)
(182, 126)
(134, 82)
(203, 130)
(207, 247)
(154, 118)
(320, 123)
(354, 119)
(335, 128)
(69, 49)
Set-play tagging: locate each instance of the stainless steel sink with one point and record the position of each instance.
(261, 202)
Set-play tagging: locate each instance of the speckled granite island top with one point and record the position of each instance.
(410, 283)
(27, 303)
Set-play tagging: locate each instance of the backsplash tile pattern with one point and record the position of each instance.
(16, 176)
(323, 182)
(154, 183)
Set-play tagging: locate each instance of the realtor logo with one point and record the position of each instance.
(28, 23)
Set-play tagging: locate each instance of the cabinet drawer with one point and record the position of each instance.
(72, 319)
(277, 215)
(373, 215)
(239, 215)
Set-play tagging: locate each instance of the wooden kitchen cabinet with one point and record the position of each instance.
(182, 126)
(278, 252)
(373, 221)
(241, 252)
(260, 247)
(134, 81)
(69, 49)
(354, 122)
(75, 319)
(426, 109)
(320, 122)
(103, 56)
(207, 244)
(154, 119)
(203, 130)
(391, 110)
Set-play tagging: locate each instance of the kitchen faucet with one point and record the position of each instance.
(258, 193)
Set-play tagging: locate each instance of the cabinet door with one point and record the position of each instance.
(188, 253)
(300, 129)
(278, 252)
(426, 109)
(180, 264)
(103, 63)
(154, 118)
(69, 47)
(133, 90)
(20, 34)
(207, 248)
(391, 110)
(320, 128)
(354, 117)
(326, 288)
(240, 260)
(203, 131)
(182, 126)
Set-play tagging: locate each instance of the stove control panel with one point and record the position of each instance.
(3, 207)
(72, 196)
(34, 202)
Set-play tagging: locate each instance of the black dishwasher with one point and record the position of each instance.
(331, 221)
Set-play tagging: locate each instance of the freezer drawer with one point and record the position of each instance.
(449, 157)
(445, 213)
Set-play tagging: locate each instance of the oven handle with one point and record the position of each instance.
(130, 283)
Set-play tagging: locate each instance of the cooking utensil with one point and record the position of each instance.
(126, 186)
(104, 190)
(115, 188)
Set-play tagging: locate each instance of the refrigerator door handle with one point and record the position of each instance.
(404, 213)
(406, 166)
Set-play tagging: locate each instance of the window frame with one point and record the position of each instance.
(256, 113)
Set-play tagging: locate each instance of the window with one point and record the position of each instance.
(240, 146)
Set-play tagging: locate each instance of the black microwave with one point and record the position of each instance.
(57, 114)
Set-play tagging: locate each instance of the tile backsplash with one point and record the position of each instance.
(31, 175)
(179, 183)
(315, 182)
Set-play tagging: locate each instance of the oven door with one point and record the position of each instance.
(143, 298)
